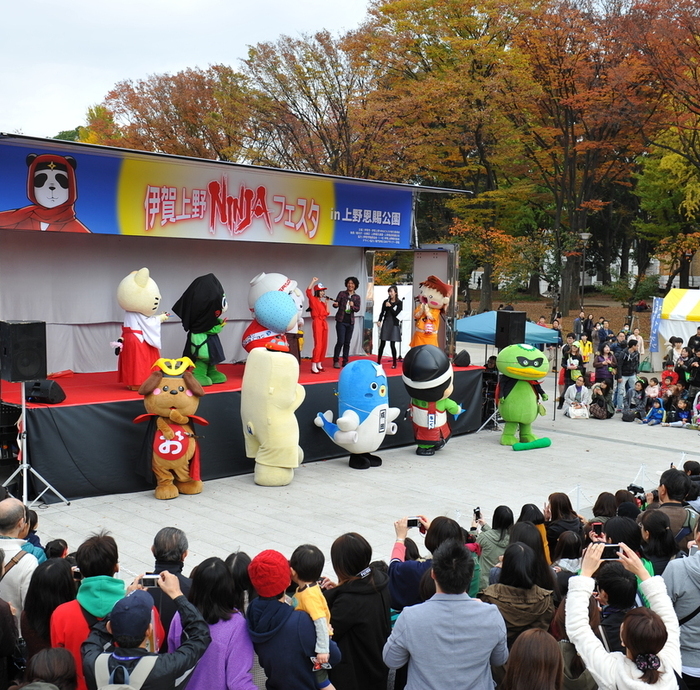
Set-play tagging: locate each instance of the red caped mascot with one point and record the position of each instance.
(52, 189)
(172, 397)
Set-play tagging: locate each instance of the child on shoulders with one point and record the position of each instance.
(306, 566)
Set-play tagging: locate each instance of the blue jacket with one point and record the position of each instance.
(285, 640)
(656, 414)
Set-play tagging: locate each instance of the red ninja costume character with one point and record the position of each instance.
(53, 190)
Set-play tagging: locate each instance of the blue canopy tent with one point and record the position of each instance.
(481, 328)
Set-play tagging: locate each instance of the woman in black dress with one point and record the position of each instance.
(389, 325)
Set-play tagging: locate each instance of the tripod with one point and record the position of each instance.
(24, 466)
(494, 419)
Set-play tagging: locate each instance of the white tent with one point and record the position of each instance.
(680, 316)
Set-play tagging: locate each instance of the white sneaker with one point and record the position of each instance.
(314, 368)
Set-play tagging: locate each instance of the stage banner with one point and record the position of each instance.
(655, 321)
(91, 189)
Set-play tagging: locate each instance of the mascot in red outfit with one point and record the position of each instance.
(172, 397)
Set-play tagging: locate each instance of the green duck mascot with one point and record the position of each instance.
(522, 368)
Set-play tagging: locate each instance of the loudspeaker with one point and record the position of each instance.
(510, 328)
(44, 392)
(22, 350)
(463, 359)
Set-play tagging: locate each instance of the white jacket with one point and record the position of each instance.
(13, 587)
(613, 670)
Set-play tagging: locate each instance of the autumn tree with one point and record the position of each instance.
(196, 112)
(579, 100)
(667, 34)
(310, 111)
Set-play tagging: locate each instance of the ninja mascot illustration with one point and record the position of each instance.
(52, 188)
(364, 415)
(522, 367)
(428, 377)
(200, 307)
(172, 397)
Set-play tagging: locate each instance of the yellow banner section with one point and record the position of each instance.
(182, 199)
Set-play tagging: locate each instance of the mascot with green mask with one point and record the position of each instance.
(522, 369)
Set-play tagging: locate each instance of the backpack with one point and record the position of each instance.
(691, 517)
(104, 679)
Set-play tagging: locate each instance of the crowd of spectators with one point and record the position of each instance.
(547, 601)
(601, 373)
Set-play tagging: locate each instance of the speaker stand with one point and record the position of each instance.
(24, 466)
(494, 419)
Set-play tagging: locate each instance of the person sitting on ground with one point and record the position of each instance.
(170, 548)
(521, 602)
(651, 637)
(226, 663)
(577, 399)
(100, 590)
(653, 390)
(656, 414)
(493, 542)
(115, 651)
(306, 565)
(681, 416)
(435, 661)
(535, 662)
(636, 401)
(602, 405)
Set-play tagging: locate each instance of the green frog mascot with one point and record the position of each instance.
(522, 369)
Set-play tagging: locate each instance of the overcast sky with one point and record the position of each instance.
(59, 58)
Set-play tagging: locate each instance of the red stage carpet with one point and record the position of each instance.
(102, 387)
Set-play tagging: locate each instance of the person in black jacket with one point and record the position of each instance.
(169, 550)
(389, 324)
(124, 633)
(359, 606)
(559, 518)
(627, 370)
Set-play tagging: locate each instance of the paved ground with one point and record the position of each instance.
(328, 498)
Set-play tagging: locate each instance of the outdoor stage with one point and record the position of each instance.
(89, 446)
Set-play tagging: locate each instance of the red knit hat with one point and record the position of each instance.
(269, 573)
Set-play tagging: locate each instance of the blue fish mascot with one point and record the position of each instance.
(365, 417)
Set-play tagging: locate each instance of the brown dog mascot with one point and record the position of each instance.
(172, 396)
